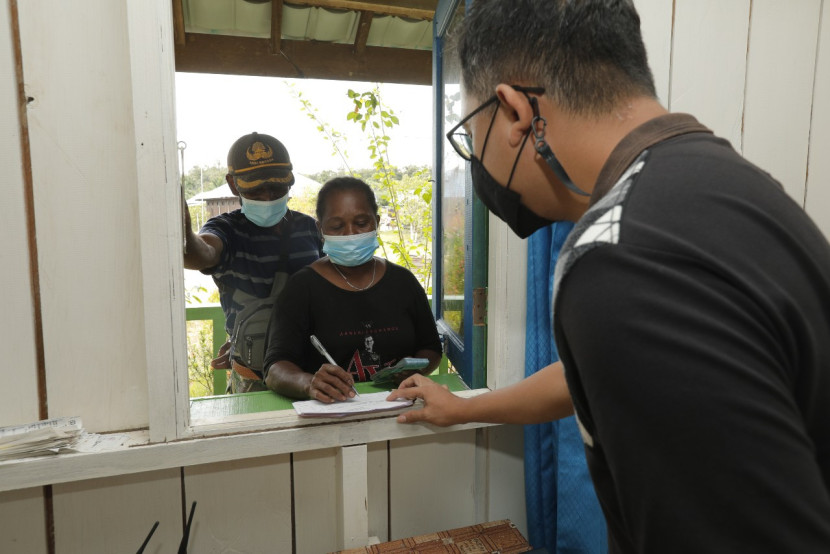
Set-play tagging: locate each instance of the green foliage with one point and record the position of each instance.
(203, 179)
(453, 277)
(408, 202)
(335, 137)
(200, 346)
(199, 355)
(305, 202)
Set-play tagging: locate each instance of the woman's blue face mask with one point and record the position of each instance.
(351, 250)
(264, 213)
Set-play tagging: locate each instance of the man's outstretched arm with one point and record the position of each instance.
(541, 397)
(201, 251)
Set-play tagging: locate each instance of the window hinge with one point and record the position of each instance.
(480, 306)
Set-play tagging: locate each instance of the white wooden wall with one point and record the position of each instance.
(756, 71)
(18, 404)
(76, 67)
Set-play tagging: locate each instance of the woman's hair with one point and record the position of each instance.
(343, 184)
(587, 54)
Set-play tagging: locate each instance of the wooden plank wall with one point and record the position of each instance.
(756, 71)
(76, 67)
(18, 403)
(817, 198)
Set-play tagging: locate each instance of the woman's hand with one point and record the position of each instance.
(330, 384)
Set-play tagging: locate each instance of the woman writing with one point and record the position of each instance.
(367, 312)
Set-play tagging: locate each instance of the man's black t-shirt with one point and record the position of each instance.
(364, 331)
(692, 315)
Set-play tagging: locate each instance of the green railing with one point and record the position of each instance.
(214, 313)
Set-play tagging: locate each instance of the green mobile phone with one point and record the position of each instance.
(404, 365)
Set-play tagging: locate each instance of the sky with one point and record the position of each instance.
(212, 111)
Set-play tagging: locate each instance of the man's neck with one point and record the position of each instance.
(583, 144)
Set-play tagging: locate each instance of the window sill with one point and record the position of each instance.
(232, 438)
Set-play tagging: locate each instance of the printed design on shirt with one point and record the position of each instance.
(600, 225)
(604, 229)
(365, 360)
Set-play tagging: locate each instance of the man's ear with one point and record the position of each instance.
(231, 184)
(518, 108)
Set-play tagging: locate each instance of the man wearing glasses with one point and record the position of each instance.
(243, 250)
(691, 300)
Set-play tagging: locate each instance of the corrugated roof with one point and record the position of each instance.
(246, 19)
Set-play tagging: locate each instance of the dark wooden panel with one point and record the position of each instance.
(276, 27)
(178, 23)
(413, 9)
(362, 34)
(301, 59)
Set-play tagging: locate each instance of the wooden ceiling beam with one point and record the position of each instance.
(276, 26)
(362, 34)
(179, 38)
(413, 9)
(303, 59)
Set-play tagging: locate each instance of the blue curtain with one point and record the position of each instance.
(563, 514)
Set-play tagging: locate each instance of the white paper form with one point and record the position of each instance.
(363, 404)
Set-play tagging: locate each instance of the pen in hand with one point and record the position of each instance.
(319, 346)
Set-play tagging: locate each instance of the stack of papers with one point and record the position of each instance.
(39, 438)
(363, 404)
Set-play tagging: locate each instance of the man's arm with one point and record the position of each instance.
(201, 251)
(541, 397)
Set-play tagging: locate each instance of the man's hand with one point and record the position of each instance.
(331, 384)
(441, 407)
(223, 360)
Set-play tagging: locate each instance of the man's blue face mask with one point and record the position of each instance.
(351, 250)
(264, 213)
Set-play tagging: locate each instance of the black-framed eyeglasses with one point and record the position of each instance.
(461, 140)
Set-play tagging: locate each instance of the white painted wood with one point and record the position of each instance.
(77, 68)
(505, 475)
(779, 89)
(378, 485)
(709, 63)
(481, 467)
(506, 305)
(817, 201)
(241, 506)
(116, 514)
(18, 403)
(285, 419)
(432, 483)
(160, 216)
(656, 28)
(17, 474)
(22, 521)
(353, 487)
(316, 509)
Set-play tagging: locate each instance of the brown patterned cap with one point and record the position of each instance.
(258, 159)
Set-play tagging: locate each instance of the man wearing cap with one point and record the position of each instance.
(244, 249)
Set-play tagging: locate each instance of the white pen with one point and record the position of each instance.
(319, 346)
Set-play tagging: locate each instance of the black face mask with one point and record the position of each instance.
(503, 202)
